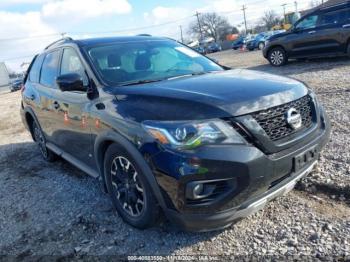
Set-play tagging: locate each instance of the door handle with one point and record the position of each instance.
(346, 26)
(56, 105)
(312, 32)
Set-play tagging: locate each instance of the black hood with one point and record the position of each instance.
(279, 35)
(220, 94)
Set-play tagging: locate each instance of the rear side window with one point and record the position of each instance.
(49, 69)
(34, 73)
(335, 17)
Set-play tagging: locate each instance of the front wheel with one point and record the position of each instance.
(129, 189)
(277, 57)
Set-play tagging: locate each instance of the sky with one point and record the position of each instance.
(27, 26)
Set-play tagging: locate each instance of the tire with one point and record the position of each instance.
(40, 140)
(348, 49)
(277, 56)
(261, 45)
(129, 189)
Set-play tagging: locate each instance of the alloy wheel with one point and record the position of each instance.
(40, 141)
(127, 186)
(277, 57)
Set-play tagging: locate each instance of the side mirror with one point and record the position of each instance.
(295, 30)
(70, 82)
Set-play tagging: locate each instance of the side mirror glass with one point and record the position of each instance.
(70, 82)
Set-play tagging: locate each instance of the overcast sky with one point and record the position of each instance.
(27, 26)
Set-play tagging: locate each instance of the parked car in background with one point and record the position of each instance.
(258, 42)
(200, 49)
(238, 44)
(213, 48)
(164, 128)
(323, 32)
(16, 85)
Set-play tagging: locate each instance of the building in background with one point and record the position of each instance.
(4, 76)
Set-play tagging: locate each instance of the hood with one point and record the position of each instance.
(220, 94)
(276, 36)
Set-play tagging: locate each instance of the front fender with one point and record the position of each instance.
(106, 138)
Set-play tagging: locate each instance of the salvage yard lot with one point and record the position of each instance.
(55, 209)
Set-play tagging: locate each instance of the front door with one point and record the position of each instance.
(305, 39)
(72, 128)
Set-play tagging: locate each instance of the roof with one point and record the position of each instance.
(119, 39)
(105, 40)
(326, 4)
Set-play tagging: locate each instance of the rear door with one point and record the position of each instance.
(42, 78)
(345, 25)
(332, 25)
(72, 131)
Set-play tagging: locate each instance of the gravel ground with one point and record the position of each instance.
(55, 209)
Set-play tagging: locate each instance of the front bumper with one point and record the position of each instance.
(259, 177)
(208, 222)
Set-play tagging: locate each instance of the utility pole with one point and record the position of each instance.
(182, 37)
(245, 19)
(296, 6)
(200, 27)
(284, 13)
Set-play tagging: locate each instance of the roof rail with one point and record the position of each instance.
(65, 39)
(330, 4)
(143, 35)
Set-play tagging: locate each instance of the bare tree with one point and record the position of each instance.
(270, 19)
(212, 25)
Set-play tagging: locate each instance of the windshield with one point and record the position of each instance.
(145, 61)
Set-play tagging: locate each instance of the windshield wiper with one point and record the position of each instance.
(146, 81)
(190, 74)
(140, 82)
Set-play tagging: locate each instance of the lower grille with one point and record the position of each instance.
(274, 122)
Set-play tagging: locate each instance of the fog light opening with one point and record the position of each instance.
(199, 190)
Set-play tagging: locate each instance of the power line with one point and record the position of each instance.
(130, 29)
(17, 58)
(28, 37)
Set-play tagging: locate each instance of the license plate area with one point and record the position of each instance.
(305, 158)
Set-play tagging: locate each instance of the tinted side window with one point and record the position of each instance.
(335, 17)
(71, 63)
(34, 73)
(49, 69)
(308, 22)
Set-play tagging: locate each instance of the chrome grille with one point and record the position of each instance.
(274, 122)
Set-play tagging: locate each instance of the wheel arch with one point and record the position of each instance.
(347, 47)
(30, 118)
(276, 46)
(106, 139)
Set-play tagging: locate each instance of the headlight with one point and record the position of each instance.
(192, 134)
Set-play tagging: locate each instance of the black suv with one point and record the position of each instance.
(323, 32)
(164, 128)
